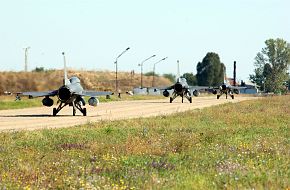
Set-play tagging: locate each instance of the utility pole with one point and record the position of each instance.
(235, 77)
(116, 62)
(25, 58)
(141, 65)
(153, 79)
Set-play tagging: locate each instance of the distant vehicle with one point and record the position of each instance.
(226, 89)
(7, 93)
(182, 89)
(71, 93)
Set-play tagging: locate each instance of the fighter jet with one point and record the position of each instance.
(226, 89)
(70, 93)
(181, 88)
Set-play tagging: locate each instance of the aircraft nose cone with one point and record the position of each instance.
(224, 87)
(178, 87)
(64, 93)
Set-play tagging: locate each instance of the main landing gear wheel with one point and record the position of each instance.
(190, 99)
(54, 112)
(233, 97)
(218, 96)
(171, 99)
(84, 111)
(74, 112)
(182, 100)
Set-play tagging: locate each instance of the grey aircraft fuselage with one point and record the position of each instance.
(182, 89)
(71, 93)
(226, 89)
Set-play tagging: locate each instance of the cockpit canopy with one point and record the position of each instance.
(181, 80)
(74, 80)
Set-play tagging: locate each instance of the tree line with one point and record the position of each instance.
(271, 73)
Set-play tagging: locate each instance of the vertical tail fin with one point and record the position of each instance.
(225, 77)
(178, 71)
(65, 79)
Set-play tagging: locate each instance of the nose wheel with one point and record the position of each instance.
(74, 111)
(54, 112)
(84, 111)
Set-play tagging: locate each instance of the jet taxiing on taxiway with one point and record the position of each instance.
(226, 89)
(71, 93)
(181, 88)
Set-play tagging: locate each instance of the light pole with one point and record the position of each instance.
(153, 80)
(116, 62)
(25, 58)
(141, 64)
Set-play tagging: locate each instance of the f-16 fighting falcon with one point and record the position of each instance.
(71, 93)
(226, 89)
(181, 88)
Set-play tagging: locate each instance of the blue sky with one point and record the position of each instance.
(94, 32)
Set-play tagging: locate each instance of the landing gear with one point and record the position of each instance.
(76, 105)
(54, 112)
(218, 96)
(84, 111)
(188, 96)
(182, 100)
(232, 96)
(74, 111)
(174, 95)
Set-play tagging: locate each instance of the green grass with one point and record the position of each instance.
(231, 146)
(8, 102)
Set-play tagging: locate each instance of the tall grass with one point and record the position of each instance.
(91, 80)
(232, 146)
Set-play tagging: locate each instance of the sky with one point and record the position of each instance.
(92, 33)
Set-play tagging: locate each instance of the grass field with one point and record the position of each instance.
(231, 146)
(8, 102)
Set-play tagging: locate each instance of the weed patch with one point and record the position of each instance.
(233, 146)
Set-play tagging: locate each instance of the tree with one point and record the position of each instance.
(170, 76)
(210, 72)
(271, 66)
(38, 69)
(150, 73)
(191, 79)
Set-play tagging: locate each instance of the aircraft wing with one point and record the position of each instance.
(198, 87)
(164, 87)
(39, 94)
(216, 88)
(94, 93)
(237, 88)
